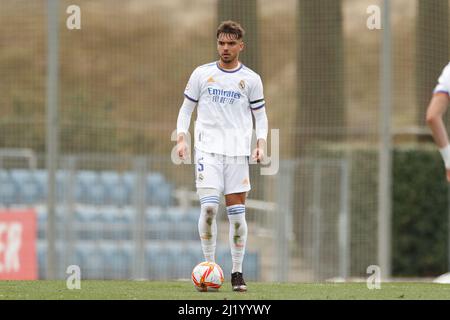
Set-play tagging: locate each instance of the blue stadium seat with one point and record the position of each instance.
(162, 231)
(62, 213)
(192, 214)
(119, 261)
(20, 176)
(118, 192)
(195, 251)
(88, 223)
(42, 218)
(106, 220)
(173, 214)
(184, 223)
(157, 261)
(154, 181)
(89, 188)
(223, 258)
(29, 188)
(169, 224)
(175, 263)
(42, 181)
(125, 219)
(41, 251)
(108, 255)
(182, 261)
(117, 223)
(94, 262)
(129, 180)
(188, 231)
(163, 195)
(38, 189)
(154, 215)
(125, 215)
(105, 215)
(250, 266)
(82, 250)
(86, 214)
(62, 181)
(157, 225)
(9, 189)
(41, 212)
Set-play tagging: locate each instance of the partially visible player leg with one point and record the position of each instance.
(237, 237)
(236, 186)
(207, 226)
(209, 183)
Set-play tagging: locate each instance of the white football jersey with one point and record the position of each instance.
(443, 85)
(224, 99)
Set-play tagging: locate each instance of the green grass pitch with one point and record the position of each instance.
(184, 290)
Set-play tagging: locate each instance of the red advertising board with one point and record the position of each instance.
(18, 245)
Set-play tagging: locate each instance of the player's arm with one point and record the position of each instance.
(435, 112)
(183, 123)
(257, 105)
(191, 94)
(261, 127)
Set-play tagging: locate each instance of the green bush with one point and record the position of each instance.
(420, 213)
(363, 162)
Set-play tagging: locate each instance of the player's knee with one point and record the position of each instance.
(209, 200)
(210, 209)
(430, 118)
(209, 212)
(239, 226)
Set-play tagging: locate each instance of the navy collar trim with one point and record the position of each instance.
(229, 71)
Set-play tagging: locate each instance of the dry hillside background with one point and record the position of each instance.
(122, 75)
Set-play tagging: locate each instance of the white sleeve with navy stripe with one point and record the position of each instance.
(443, 85)
(261, 124)
(192, 91)
(256, 95)
(225, 100)
(184, 116)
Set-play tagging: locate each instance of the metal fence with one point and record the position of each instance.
(88, 115)
(123, 218)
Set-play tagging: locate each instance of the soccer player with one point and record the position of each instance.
(226, 94)
(435, 111)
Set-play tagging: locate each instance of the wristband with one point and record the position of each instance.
(445, 153)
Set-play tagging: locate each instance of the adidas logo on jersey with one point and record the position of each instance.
(211, 80)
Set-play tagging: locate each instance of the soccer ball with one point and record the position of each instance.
(207, 276)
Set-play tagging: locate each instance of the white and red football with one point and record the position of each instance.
(207, 276)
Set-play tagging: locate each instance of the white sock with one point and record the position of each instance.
(237, 235)
(207, 226)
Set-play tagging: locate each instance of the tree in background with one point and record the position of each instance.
(320, 76)
(320, 112)
(245, 12)
(431, 50)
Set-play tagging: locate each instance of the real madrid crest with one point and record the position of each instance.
(242, 84)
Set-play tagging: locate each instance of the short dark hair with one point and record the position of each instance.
(231, 27)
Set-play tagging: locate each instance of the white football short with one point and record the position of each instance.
(224, 173)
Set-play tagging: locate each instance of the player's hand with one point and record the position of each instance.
(182, 150)
(448, 174)
(258, 155)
